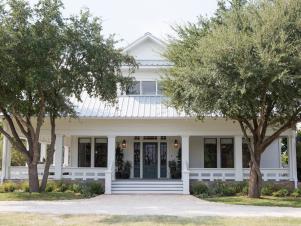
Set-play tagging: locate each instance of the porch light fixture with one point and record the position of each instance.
(123, 144)
(176, 143)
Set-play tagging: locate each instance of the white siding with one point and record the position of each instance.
(196, 152)
(271, 156)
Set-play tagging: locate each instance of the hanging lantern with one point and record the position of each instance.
(176, 143)
(123, 144)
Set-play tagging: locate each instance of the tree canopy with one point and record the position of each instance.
(45, 60)
(244, 64)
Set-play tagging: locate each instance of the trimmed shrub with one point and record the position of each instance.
(91, 189)
(96, 188)
(268, 189)
(239, 187)
(296, 193)
(1, 189)
(199, 188)
(51, 186)
(223, 189)
(75, 188)
(24, 186)
(61, 187)
(245, 190)
(9, 186)
(283, 192)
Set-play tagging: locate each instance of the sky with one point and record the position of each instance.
(130, 19)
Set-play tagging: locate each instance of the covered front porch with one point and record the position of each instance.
(162, 161)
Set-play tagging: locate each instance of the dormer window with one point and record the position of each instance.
(134, 89)
(148, 88)
(144, 88)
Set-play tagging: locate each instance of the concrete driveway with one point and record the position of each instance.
(171, 205)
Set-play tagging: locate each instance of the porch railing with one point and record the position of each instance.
(21, 172)
(212, 174)
(74, 173)
(70, 173)
(270, 174)
(225, 174)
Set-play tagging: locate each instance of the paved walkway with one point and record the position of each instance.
(172, 205)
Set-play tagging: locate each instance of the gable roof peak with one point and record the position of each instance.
(146, 36)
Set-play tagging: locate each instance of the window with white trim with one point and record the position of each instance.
(144, 88)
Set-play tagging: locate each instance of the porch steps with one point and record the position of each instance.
(147, 187)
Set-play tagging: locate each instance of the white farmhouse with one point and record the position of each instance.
(166, 149)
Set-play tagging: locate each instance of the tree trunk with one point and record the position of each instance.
(45, 175)
(33, 177)
(50, 153)
(255, 180)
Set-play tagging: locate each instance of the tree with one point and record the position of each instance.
(45, 60)
(243, 64)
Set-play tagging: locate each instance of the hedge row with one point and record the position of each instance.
(203, 190)
(87, 189)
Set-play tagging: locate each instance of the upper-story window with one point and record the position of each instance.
(147, 88)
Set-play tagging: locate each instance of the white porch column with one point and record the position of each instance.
(6, 159)
(185, 164)
(110, 173)
(292, 158)
(238, 158)
(58, 157)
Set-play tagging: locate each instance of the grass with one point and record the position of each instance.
(98, 220)
(51, 196)
(264, 201)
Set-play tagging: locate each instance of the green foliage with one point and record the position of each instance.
(200, 189)
(88, 189)
(242, 64)
(75, 188)
(17, 158)
(175, 167)
(296, 193)
(245, 190)
(9, 186)
(91, 189)
(119, 163)
(229, 67)
(283, 192)
(24, 186)
(47, 59)
(269, 189)
(223, 189)
(52, 186)
(127, 170)
(1, 148)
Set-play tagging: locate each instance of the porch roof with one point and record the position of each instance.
(131, 107)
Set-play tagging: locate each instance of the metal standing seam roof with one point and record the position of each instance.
(127, 107)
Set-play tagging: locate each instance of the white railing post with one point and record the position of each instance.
(185, 164)
(6, 159)
(238, 158)
(58, 157)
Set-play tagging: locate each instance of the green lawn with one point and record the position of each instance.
(20, 196)
(97, 220)
(264, 201)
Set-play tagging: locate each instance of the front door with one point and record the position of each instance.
(150, 160)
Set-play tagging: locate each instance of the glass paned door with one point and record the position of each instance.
(137, 160)
(150, 160)
(163, 160)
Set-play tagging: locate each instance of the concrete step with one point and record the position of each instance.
(147, 187)
(147, 192)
